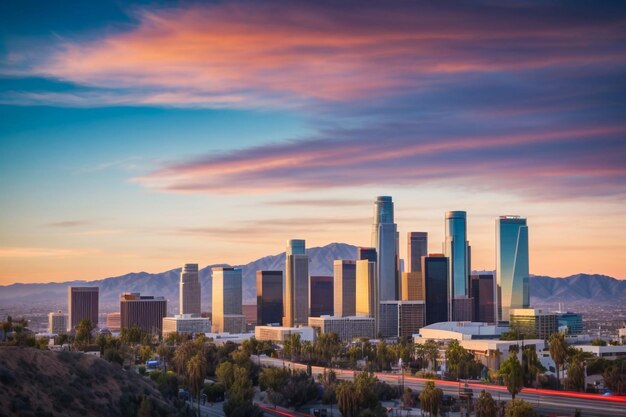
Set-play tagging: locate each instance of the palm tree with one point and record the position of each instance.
(511, 372)
(558, 351)
(181, 356)
(196, 372)
(486, 405)
(431, 349)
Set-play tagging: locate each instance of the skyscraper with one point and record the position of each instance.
(344, 289)
(417, 246)
(226, 302)
(436, 270)
(483, 293)
(296, 288)
(367, 253)
(322, 295)
(412, 286)
(189, 290)
(511, 265)
(269, 297)
(385, 240)
(145, 311)
(82, 303)
(457, 251)
(366, 289)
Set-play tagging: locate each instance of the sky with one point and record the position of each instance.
(142, 136)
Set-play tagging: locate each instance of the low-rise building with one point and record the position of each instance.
(186, 324)
(347, 328)
(533, 322)
(461, 330)
(280, 333)
(401, 318)
(606, 352)
(572, 323)
(114, 322)
(57, 322)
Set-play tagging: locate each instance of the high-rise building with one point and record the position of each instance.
(145, 311)
(412, 286)
(366, 289)
(269, 297)
(457, 250)
(322, 295)
(533, 322)
(483, 294)
(57, 322)
(82, 303)
(436, 270)
(296, 288)
(401, 318)
(226, 301)
(417, 246)
(189, 290)
(344, 292)
(367, 253)
(511, 265)
(385, 239)
(114, 321)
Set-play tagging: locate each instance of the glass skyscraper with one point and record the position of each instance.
(417, 246)
(435, 269)
(269, 297)
(385, 240)
(457, 251)
(511, 265)
(321, 296)
(296, 288)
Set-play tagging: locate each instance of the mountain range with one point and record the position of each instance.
(574, 288)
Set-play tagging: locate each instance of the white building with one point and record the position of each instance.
(347, 328)
(280, 333)
(186, 324)
(461, 330)
(57, 322)
(606, 352)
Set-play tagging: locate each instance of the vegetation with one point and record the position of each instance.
(431, 398)
(461, 362)
(511, 372)
(485, 405)
(519, 408)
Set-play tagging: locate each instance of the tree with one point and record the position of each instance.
(182, 355)
(519, 408)
(165, 354)
(485, 405)
(532, 365)
(460, 361)
(511, 371)
(431, 398)
(326, 347)
(240, 393)
(273, 378)
(576, 373)
(196, 372)
(407, 398)
(615, 376)
(347, 400)
(598, 342)
(226, 374)
(131, 335)
(431, 350)
(558, 351)
(83, 332)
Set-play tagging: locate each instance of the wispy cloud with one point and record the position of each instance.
(322, 202)
(29, 252)
(67, 224)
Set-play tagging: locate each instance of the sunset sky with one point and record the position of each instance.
(138, 137)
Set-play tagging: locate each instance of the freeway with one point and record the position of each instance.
(548, 401)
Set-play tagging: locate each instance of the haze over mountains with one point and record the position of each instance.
(579, 287)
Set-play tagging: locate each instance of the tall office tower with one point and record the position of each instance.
(226, 301)
(385, 239)
(457, 251)
(401, 318)
(435, 268)
(269, 297)
(483, 292)
(82, 303)
(189, 290)
(367, 253)
(511, 265)
(145, 311)
(344, 288)
(366, 289)
(322, 296)
(296, 288)
(412, 286)
(57, 322)
(417, 246)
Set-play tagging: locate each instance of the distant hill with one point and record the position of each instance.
(42, 382)
(579, 287)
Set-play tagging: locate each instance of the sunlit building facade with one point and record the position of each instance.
(296, 288)
(189, 290)
(82, 303)
(385, 240)
(57, 322)
(483, 290)
(366, 289)
(344, 289)
(412, 286)
(417, 246)
(226, 301)
(511, 265)
(322, 295)
(144, 311)
(457, 251)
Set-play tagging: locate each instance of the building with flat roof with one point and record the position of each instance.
(82, 303)
(483, 289)
(533, 322)
(462, 330)
(417, 246)
(457, 251)
(269, 297)
(280, 334)
(511, 265)
(145, 311)
(296, 308)
(606, 352)
(366, 253)
(322, 295)
(401, 318)
(226, 297)
(435, 270)
(186, 324)
(571, 322)
(189, 290)
(344, 288)
(385, 239)
(114, 322)
(412, 286)
(57, 322)
(347, 328)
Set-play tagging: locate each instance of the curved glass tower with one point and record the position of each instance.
(457, 250)
(511, 265)
(385, 240)
(296, 286)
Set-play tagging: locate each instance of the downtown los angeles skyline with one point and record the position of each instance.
(141, 137)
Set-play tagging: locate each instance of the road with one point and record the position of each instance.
(548, 401)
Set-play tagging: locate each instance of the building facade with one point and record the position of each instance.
(533, 322)
(280, 334)
(296, 288)
(226, 300)
(511, 265)
(483, 294)
(573, 322)
(344, 288)
(186, 324)
(435, 268)
(347, 328)
(189, 290)
(412, 286)
(401, 318)
(457, 251)
(145, 311)
(417, 246)
(114, 322)
(366, 289)
(385, 240)
(57, 322)
(82, 303)
(269, 297)
(322, 295)
(366, 253)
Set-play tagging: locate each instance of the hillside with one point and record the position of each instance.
(579, 287)
(44, 383)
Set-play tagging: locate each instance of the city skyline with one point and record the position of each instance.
(212, 133)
